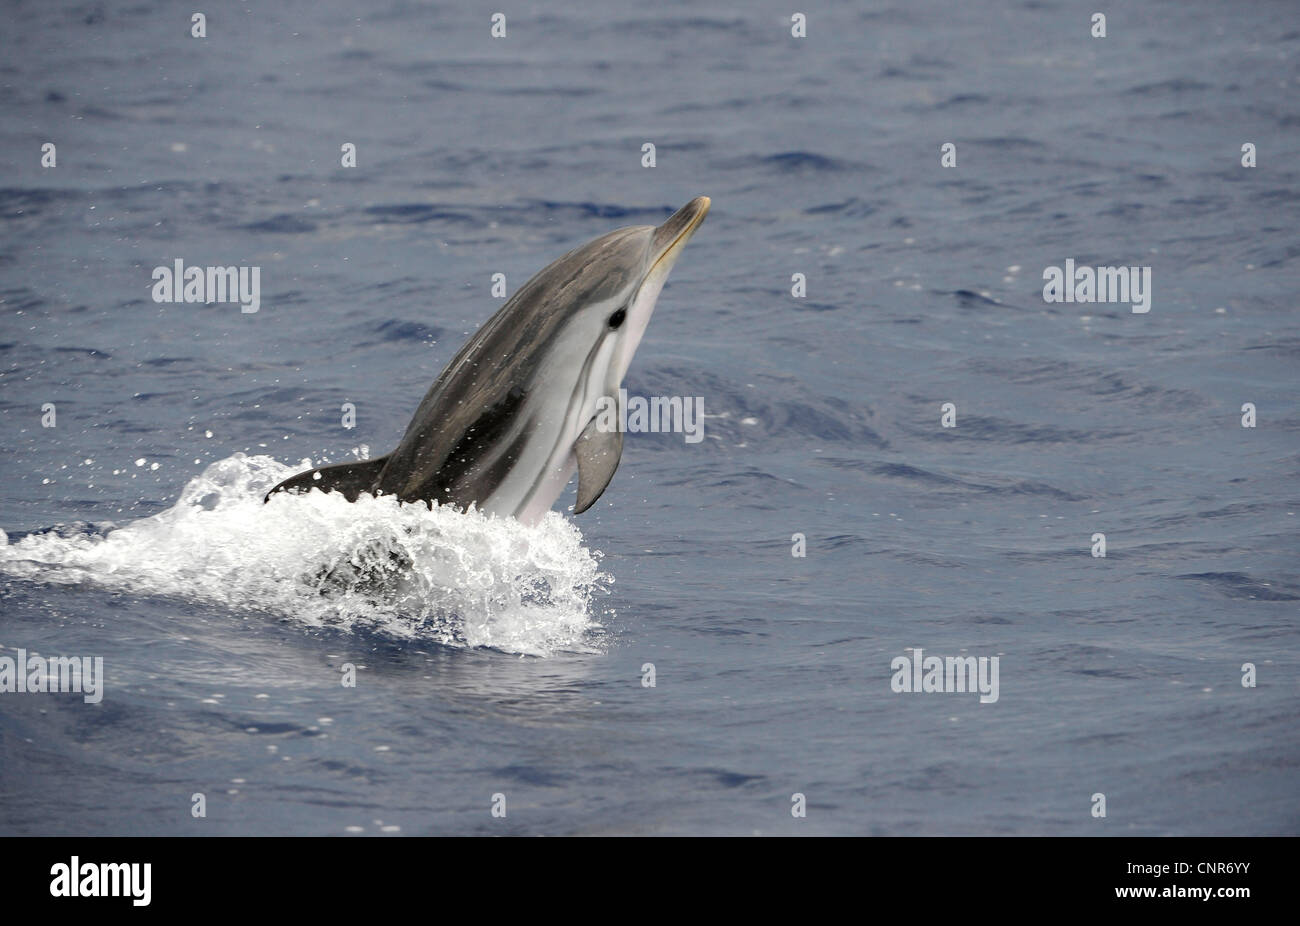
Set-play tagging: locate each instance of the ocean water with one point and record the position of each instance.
(495, 659)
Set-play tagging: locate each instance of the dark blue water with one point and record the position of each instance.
(511, 661)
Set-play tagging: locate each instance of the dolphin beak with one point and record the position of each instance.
(670, 237)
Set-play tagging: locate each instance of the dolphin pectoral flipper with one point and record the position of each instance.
(349, 478)
(598, 453)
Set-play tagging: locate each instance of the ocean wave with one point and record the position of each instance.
(444, 576)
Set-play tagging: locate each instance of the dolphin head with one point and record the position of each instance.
(613, 282)
(609, 287)
(663, 245)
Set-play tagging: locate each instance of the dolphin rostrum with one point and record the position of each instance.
(514, 413)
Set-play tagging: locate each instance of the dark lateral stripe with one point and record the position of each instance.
(471, 453)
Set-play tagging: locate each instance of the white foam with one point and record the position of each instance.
(462, 579)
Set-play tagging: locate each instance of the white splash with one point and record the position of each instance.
(462, 579)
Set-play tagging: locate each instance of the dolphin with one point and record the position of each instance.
(514, 414)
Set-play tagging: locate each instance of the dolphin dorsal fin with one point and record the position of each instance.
(598, 453)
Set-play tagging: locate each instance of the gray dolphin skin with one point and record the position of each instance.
(514, 414)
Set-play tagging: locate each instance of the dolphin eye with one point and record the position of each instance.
(616, 320)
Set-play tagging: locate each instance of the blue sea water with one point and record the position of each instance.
(510, 661)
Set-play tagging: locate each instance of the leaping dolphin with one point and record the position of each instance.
(514, 413)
